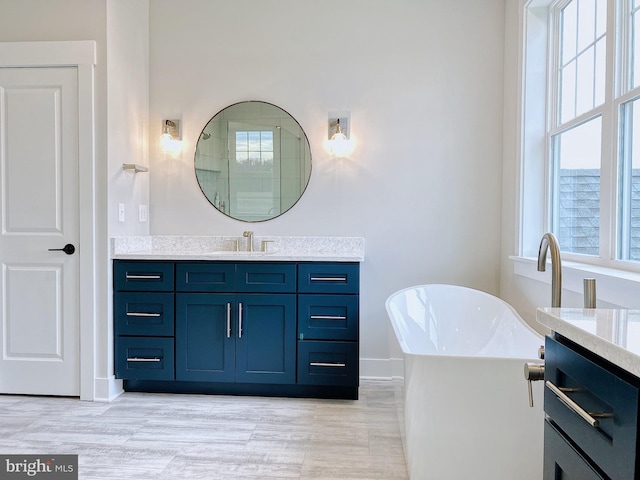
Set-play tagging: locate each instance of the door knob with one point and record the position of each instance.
(68, 249)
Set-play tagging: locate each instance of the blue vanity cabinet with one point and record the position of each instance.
(328, 324)
(235, 337)
(205, 343)
(591, 406)
(244, 327)
(144, 320)
(246, 338)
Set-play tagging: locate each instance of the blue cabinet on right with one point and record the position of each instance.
(328, 324)
(591, 406)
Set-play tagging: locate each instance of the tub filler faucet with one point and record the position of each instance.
(549, 242)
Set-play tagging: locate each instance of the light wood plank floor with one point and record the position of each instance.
(159, 436)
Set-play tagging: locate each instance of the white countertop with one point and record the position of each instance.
(177, 247)
(612, 334)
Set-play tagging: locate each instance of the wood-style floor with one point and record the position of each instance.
(159, 436)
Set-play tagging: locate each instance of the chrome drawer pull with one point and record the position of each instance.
(328, 279)
(240, 320)
(138, 359)
(328, 317)
(323, 364)
(143, 277)
(228, 320)
(589, 417)
(142, 314)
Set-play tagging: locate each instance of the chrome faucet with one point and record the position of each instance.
(249, 237)
(549, 242)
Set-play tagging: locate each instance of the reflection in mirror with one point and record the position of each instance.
(253, 161)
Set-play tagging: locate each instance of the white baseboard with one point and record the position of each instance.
(381, 367)
(107, 389)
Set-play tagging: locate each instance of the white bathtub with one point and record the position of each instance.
(466, 407)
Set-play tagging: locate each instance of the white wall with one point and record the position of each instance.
(128, 112)
(423, 80)
(120, 29)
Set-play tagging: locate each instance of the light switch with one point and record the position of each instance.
(121, 212)
(143, 213)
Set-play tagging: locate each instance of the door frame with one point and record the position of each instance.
(82, 55)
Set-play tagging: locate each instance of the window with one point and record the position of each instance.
(254, 148)
(588, 131)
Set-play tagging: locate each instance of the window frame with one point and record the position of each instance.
(541, 32)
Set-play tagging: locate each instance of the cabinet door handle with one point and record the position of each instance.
(142, 314)
(228, 320)
(326, 364)
(328, 279)
(138, 359)
(239, 320)
(588, 417)
(142, 277)
(328, 317)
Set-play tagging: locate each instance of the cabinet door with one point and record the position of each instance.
(144, 358)
(562, 461)
(320, 277)
(328, 317)
(143, 276)
(143, 313)
(205, 340)
(266, 277)
(266, 338)
(215, 277)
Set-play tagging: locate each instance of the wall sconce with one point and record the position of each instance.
(170, 140)
(339, 138)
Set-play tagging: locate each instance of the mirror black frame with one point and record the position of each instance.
(205, 177)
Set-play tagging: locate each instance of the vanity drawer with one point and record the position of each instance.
(582, 381)
(328, 363)
(143, 276)
(144, 313)
(328, 317)
(328, 277)
(144, 358)
(562, 460)
(266, 277)
(205, 277)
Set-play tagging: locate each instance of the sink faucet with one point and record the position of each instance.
(249, 237)
(549, 242)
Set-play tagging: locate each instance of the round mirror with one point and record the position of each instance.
(253, 161)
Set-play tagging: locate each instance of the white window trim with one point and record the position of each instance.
(618, 282)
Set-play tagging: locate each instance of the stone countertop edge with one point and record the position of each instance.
(601, 331)
(212, 248)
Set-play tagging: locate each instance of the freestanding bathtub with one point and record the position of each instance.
(466, 407)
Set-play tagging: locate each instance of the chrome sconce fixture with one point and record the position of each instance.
(339, 133)
(170, 140)
(339, 128)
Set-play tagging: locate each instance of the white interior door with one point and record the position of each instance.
(39, 211)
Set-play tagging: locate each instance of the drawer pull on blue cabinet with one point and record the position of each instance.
(143, 277)
(324, 364)
(142, 314)
(589, 417)
(328, 279)
(328, 317)
(228, 320)
(138, 359)
(239, 320)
